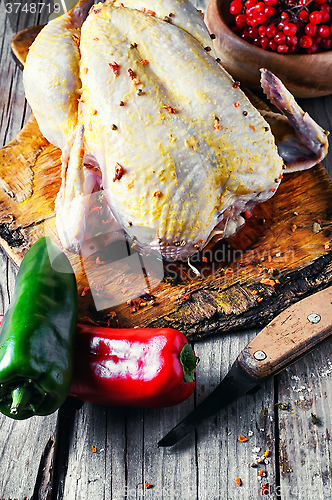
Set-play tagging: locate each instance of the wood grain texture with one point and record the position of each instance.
(206, 464)
(218, 439)
(28, 448)
(305, 446)
(4, 292)
(123, 442)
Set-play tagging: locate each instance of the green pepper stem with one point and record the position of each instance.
(189, 361)
(21, 395)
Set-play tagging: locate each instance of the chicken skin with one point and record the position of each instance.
(140, 108)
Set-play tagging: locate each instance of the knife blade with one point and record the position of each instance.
(288, 337)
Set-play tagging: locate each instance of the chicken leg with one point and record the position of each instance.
(51, 75)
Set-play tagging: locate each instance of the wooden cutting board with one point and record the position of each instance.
(283, 252)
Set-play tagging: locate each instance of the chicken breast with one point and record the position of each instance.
(181, 150)
(190, 156)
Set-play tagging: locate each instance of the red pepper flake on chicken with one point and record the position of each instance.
(119, 171)
(115, 68)
(209, 170)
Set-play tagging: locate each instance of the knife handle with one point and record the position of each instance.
(289, 336)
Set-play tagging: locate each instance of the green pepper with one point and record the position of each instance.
(37, 335)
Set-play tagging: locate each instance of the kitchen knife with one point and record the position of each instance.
(288, 337)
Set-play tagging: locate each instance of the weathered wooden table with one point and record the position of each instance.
(95, 452)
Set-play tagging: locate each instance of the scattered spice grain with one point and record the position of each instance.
(115, 68)
(314, 418)
(242, 438)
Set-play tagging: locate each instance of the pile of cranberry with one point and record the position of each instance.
(284, 26)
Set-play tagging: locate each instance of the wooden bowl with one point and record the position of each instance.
(305, 75)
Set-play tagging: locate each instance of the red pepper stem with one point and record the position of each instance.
(21, 395)
(189, 361)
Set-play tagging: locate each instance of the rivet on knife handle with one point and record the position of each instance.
(292, 334)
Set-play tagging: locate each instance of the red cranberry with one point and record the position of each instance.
(315, 17)
(245, 36)
(306, 41)
(280, 38)
(271, 31)
(264, 42)
(250, 3)
(325, 16)
(284, 16)
(262, 30)
(235, 7)
(290, 29)
(303, 15)
(292, 40)
(241, 21)
(324, 30)
(326, 43)
(253, 32)
(310, 29)
(260, 7)
(313, 49)
(282, 48)
(258, 20)
(273, 45)
(270, 11)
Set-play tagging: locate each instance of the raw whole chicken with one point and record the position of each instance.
(140, 107)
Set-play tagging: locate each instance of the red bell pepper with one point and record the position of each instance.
(132, 367)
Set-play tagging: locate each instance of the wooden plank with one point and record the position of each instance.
(113, 453)
(305, 446)
(172, 472)
(27, 450)
(4, 292)
(221, 457)
(14, 110)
